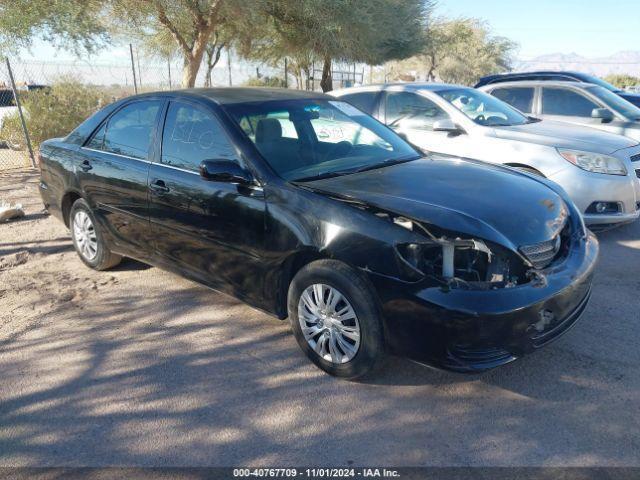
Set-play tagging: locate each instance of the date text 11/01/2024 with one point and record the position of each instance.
(317, 472)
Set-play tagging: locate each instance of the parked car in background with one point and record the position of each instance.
(572, 102)
(7, 108)
(355, 236)
(561, 76)
(594, 167)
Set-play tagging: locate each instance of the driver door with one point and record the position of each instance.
(212, 231)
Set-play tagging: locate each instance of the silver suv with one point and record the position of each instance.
(572, 102)
(594, 167)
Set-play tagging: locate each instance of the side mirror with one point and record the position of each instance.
(225, 171)
(603, 114)
(446, 125)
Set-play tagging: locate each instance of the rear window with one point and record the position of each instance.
(520, 98)
(365, 101)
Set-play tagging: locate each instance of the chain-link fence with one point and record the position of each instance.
(98, 84)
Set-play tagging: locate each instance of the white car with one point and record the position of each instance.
(594, 167)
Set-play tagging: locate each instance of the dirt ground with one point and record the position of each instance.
(137, 366)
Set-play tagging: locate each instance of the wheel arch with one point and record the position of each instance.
(68, 199)
(529, 168)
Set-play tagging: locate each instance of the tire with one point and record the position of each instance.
(355, 355)
(88, 240)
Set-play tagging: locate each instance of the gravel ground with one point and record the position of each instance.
(137, 366)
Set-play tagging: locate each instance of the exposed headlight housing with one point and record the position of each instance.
(594, 162)
(458, 262)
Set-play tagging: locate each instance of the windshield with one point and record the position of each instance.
(616, 102)
(311, 139)
(483, 108)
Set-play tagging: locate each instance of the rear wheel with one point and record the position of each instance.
(88, 240)
(335, 318)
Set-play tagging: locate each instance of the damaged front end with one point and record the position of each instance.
(457, 262)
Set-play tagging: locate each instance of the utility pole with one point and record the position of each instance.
(169, 66)
(133, 68)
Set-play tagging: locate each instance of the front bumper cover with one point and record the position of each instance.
(474, 330)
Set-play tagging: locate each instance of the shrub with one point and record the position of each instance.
(264, 82)
(55, 111)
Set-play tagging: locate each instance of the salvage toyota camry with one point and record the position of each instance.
(303, 206)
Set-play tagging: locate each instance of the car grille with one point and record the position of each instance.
(541, 254)
(635, 158)
(638, 173)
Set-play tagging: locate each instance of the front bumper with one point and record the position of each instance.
(584, 188)
(474, 330)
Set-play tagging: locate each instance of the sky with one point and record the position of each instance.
(592, 28)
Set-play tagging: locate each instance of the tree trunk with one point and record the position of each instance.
(190, 72)
(326, 83)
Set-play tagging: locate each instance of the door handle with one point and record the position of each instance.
(86, 166)
(159, 186)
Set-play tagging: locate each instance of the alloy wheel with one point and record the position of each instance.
(84, 234)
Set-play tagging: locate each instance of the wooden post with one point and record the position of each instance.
(133, 68)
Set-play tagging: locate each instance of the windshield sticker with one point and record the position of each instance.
(347, 109)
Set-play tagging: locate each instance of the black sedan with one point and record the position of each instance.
(305, 207)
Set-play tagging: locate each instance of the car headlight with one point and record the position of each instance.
(594, 162)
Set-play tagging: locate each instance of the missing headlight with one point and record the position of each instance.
(463, 263)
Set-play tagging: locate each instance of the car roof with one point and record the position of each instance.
(532, 83)
(433, 86)
(230, 95)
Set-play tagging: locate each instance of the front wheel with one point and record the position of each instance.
(335, 318)
(88, 240)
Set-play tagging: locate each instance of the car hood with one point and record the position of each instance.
(462, 197)
(559, 134)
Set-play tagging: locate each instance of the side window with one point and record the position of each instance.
(560, 101)
(520, 98)
(129, 131)
(191, 135)
(410, 110)
(364, 101)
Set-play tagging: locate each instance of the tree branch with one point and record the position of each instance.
(164, 20)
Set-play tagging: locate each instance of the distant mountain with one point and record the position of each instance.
(627, 62)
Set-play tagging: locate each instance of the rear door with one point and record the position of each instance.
(212, 231)
(112, 169)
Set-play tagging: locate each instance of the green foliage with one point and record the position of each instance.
(265, 82)
(622, 81)
(68, 23)
(56, 111)
(458, 51)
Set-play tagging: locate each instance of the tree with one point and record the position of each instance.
(622, 80)
(343, 30)
(189, 25)
(458, 51)
(69, 23)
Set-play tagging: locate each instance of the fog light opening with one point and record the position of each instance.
(601, 208)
